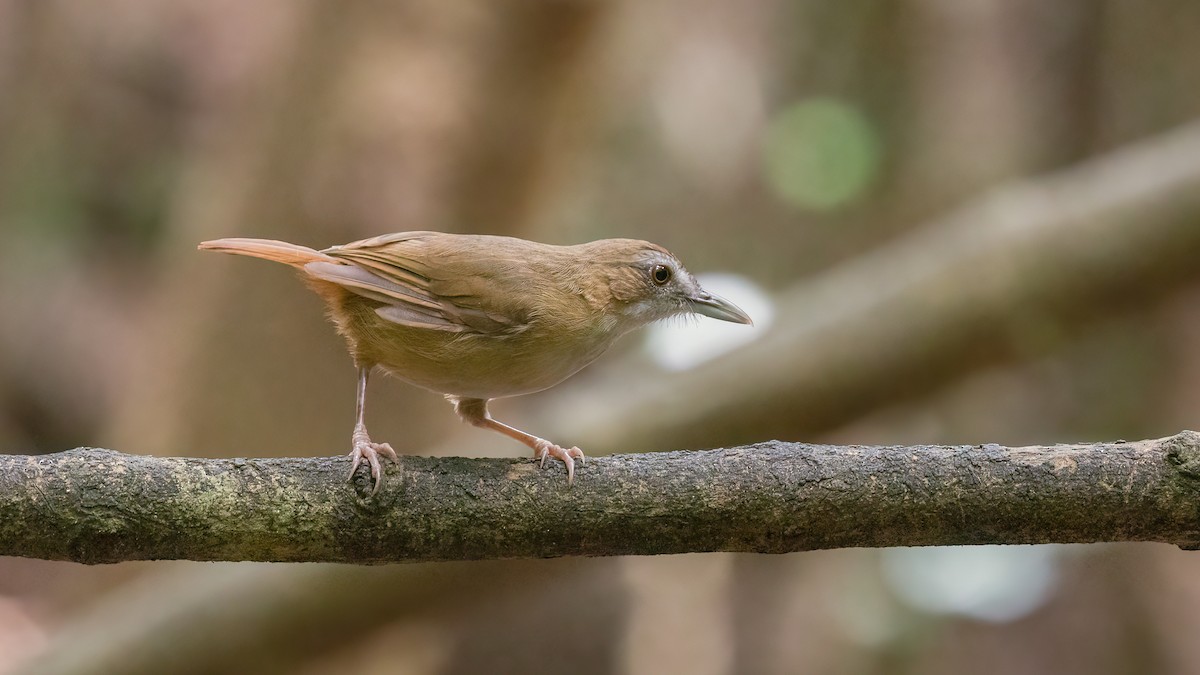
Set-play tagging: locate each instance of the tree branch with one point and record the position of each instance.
(99, 506)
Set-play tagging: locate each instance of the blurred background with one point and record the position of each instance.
(764, 142)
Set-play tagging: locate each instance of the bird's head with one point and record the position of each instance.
(644, 282)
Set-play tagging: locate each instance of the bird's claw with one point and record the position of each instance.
(568, 456)
(364, 448)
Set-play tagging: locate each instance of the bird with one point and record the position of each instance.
(477, 317)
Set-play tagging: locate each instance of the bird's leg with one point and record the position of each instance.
(474, 411)
(363, 447)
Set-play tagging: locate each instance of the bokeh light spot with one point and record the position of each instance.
(820, 154)
(992, 583)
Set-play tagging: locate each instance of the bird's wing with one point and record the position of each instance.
(432, 280)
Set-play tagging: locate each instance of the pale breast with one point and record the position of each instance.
(480, 366)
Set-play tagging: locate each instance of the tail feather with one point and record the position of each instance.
(278, 251)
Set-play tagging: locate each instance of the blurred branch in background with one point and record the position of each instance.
(292, 616)
(98, 506)
(1009, 276)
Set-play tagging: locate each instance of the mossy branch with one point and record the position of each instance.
(99, 506)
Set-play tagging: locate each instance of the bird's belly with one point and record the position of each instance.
(479, 366)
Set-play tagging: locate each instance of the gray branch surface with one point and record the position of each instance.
(99, 506)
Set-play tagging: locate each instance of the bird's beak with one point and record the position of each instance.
(718, 308)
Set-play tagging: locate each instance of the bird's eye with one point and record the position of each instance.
(661, 274)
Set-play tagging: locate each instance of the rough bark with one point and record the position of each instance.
(99, 506)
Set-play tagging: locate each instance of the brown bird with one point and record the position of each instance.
(477, 317)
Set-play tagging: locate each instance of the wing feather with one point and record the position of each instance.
(405, 316)
(427, 280)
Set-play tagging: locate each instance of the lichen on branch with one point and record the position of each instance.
(99, 506)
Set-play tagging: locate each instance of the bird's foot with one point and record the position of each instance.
(365, 449)
(543, 449)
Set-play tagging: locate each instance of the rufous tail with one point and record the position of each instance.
(279, 251)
